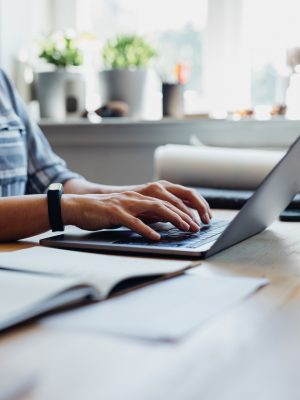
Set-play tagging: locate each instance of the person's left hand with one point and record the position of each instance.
(181, 197)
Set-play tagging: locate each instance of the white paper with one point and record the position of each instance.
(16, 383)
(100, 270)
(22, 293)
(213, 166)
(164, 311)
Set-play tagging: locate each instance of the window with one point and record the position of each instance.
(175, 29)
(271, 27)
(236, 49)
(250, 40)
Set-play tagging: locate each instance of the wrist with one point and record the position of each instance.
(68, 209)
(54, 193)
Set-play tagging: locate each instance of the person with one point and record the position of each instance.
(28, 166)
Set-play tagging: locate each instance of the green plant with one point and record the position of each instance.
(127, 51)
(61, 49)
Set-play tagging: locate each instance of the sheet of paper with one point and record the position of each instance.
(167, 310)
(100, 270)
(15, 384)
(213, 166)
(23, 292)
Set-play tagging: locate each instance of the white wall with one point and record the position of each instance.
(21, 22)
(63, 14)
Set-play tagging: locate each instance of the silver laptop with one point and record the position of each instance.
(268, 201)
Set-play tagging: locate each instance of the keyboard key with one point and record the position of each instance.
(173, 237)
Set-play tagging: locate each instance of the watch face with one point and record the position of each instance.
(55, 186)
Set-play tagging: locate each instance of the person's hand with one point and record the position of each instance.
(179, 196)
(130, 209)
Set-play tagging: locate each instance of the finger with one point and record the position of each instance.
(194, 200)
(188, 203)
(150, 208)
(166, 214)
(194, 226)
(138, 226)
(159, 190)
(178, 203)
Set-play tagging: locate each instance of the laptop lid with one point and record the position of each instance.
(271, 197)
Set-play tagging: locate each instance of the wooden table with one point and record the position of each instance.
(249, 352)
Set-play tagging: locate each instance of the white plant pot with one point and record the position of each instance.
(132, 86)
(60, 92)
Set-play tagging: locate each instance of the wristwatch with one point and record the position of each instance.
(54, 193)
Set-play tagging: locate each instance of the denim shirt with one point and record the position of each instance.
(27, 163)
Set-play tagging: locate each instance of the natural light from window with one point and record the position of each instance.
(271, 27)
(175, 31)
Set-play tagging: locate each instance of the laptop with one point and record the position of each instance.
(264, 206)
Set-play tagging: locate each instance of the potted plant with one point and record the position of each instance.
(127, 74)
(60, 82)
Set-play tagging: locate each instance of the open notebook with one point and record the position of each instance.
(39, 279)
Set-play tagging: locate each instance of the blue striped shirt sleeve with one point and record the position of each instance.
(44, 166)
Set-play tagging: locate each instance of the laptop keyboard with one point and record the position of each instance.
(173, 237)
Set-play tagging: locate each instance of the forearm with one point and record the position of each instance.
(23, 216)
(81, 186)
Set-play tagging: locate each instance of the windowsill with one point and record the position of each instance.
(120, 121)
(166, 120)
(274, 133)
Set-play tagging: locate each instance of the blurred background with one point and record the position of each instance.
(231, 58)
(109, 81)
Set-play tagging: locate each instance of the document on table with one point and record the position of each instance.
(167, 310)
(15, 384)
(38, 280)
(24, 296)
(102, 271)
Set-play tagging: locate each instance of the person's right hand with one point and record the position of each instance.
(130, 209)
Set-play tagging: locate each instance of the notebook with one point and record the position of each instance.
(37, 280)
(17, 383)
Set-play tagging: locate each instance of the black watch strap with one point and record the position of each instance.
(54, 193)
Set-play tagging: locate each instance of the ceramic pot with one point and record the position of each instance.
(60, 93)
(131, 86)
